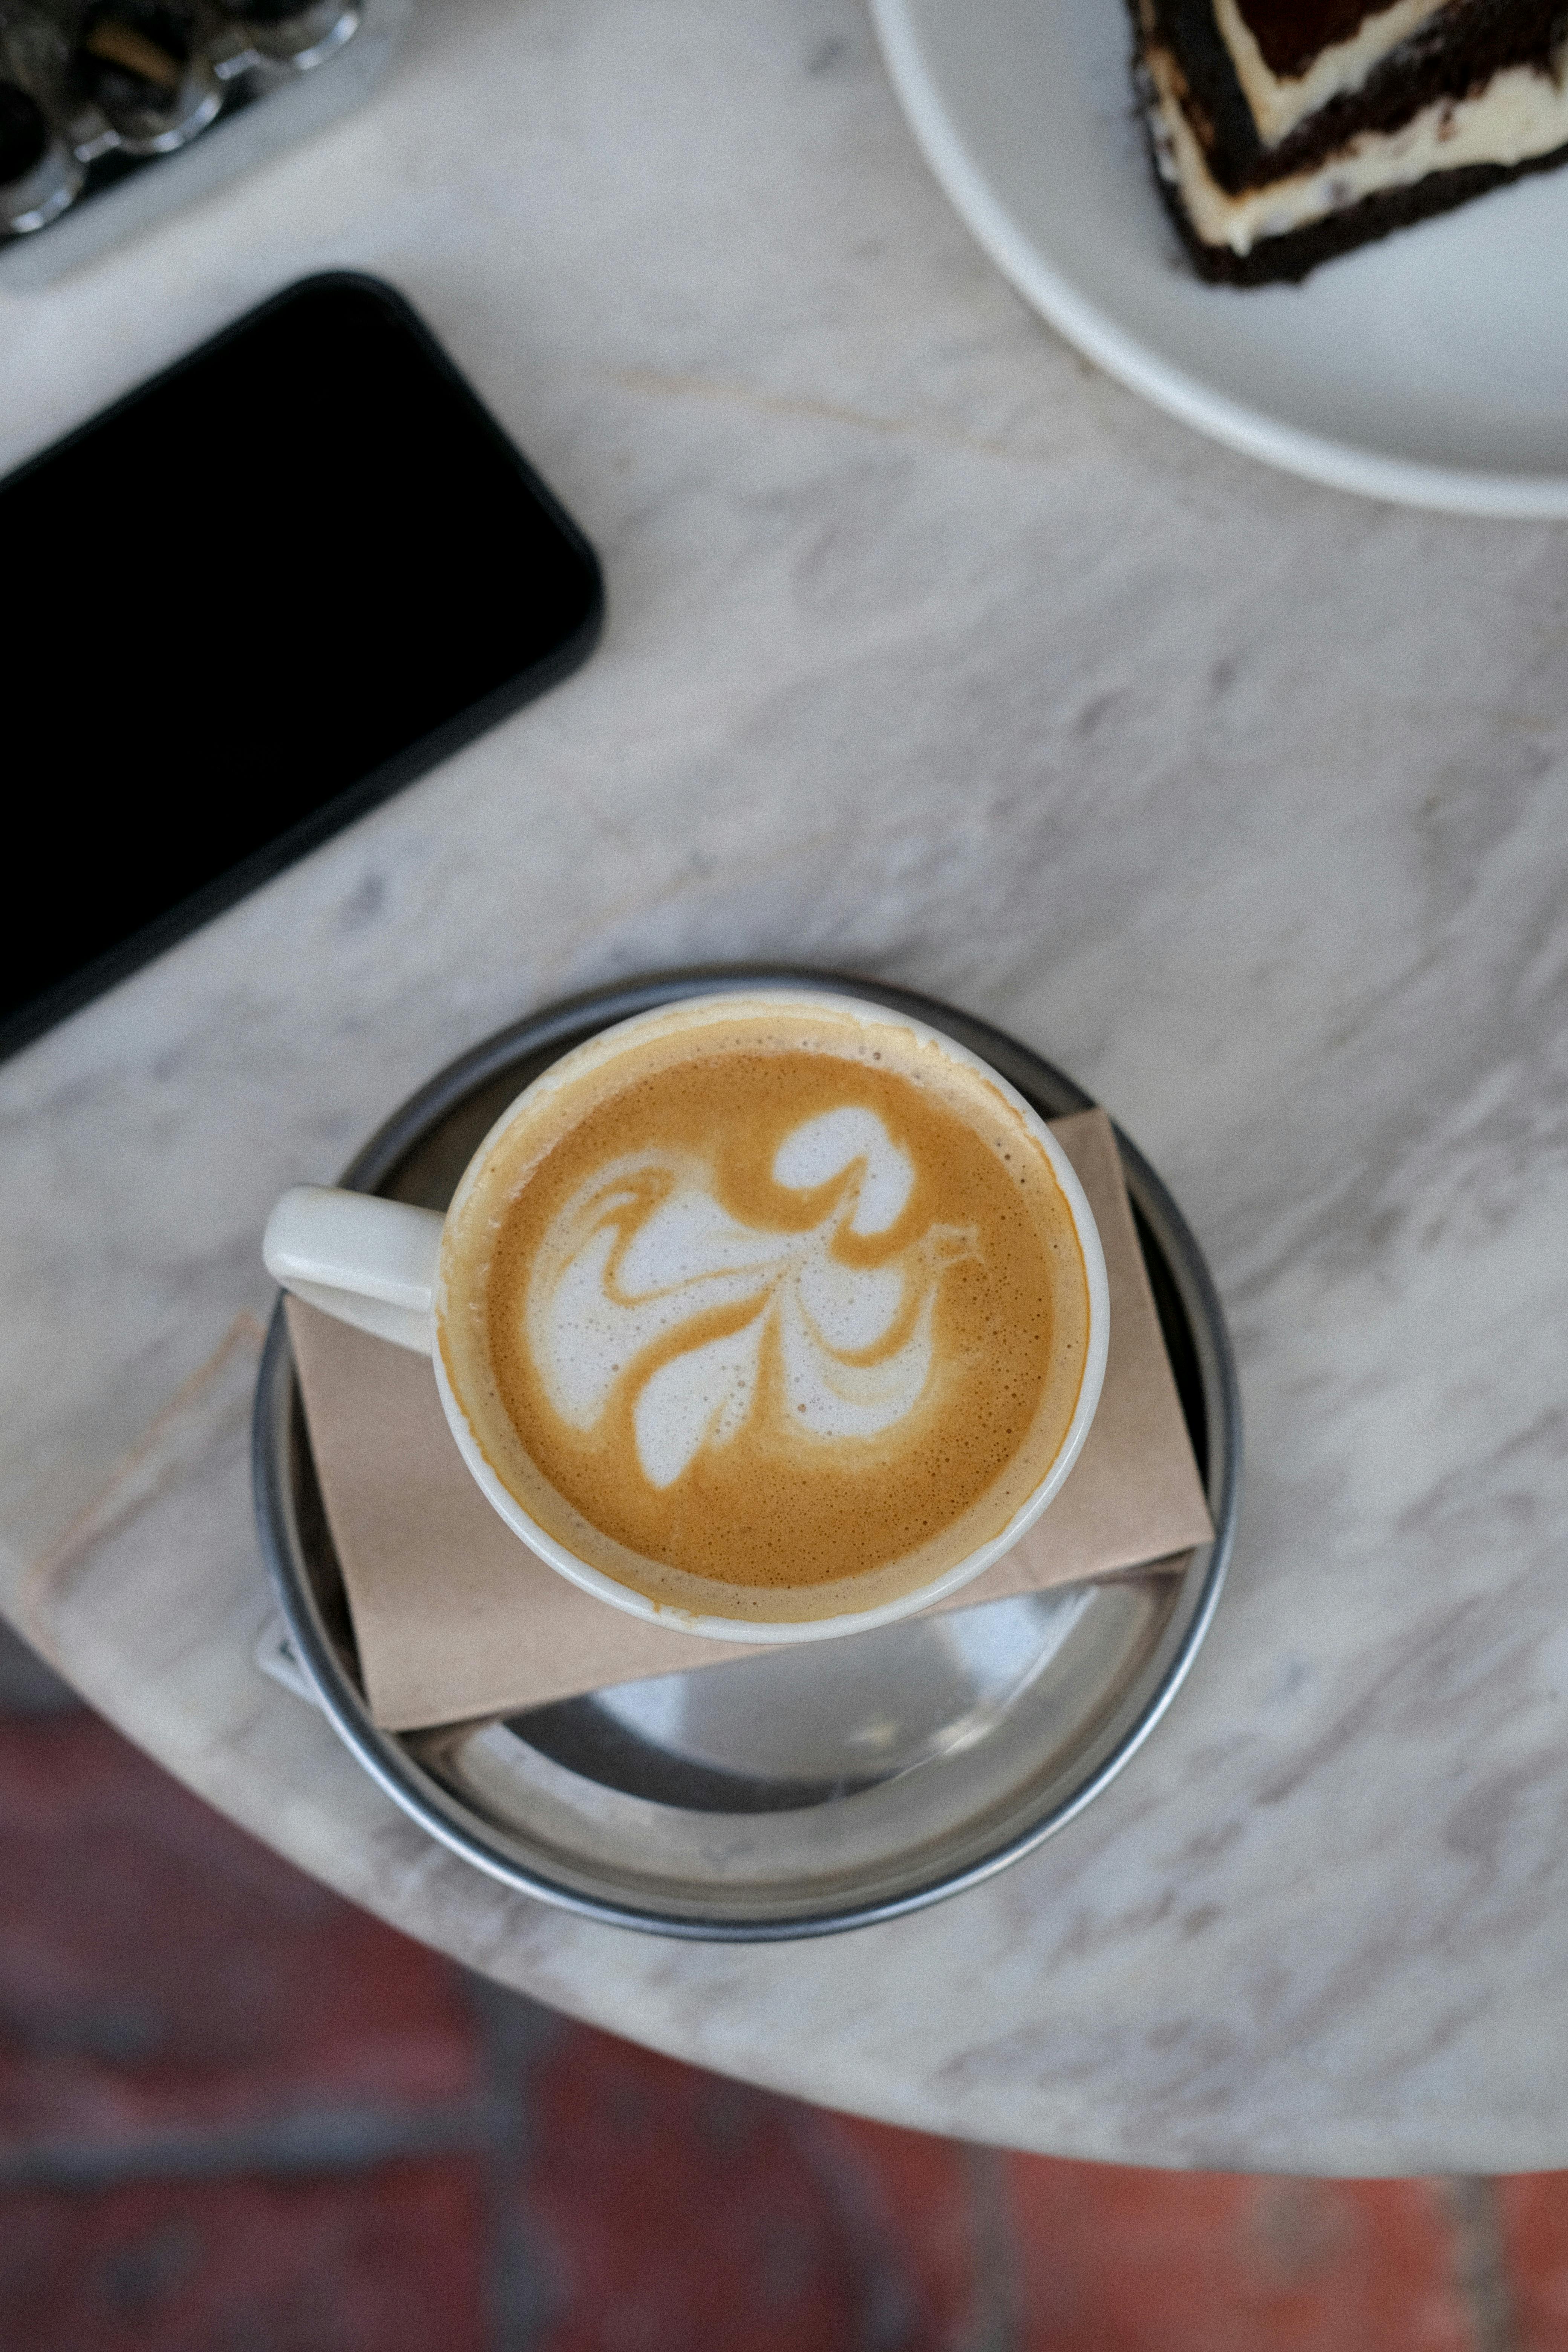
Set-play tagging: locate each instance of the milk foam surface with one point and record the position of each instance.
(767, 1306)
(644, 1250)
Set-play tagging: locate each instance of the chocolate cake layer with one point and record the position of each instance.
(1476, 96)
(1285, 260)
(1452, 55)
(1319, 69)
(1291, 32)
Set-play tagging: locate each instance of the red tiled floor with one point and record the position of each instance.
(915, 2196)
(160, 1972)
(1114, 2259)
(388, 2261)
(158, 1969)
(677, 2212)
(1532, 2220)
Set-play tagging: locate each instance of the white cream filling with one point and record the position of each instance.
(1522, 113)
(1278, 102)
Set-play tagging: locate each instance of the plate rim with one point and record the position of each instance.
(1477, 492)
(383, 1755)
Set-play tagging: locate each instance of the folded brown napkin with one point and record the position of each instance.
(456, 1618)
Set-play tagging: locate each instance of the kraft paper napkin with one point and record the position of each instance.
(456, 1618)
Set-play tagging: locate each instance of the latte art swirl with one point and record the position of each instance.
(765, 1303)
(644, 1254)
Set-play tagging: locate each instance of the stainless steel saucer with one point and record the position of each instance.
(816, 1789)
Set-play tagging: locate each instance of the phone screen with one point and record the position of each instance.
(245, 604)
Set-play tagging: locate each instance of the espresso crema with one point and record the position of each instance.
(766, 1311)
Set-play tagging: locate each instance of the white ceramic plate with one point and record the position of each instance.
(1432, 368)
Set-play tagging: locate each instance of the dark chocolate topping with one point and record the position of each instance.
(1291, 31)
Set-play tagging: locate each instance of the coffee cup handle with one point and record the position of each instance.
(370, 1262)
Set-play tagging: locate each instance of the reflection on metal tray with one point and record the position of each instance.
(773, 1735)
(810, 1790)
(111, 111)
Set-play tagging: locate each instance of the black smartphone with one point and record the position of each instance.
(242, 607)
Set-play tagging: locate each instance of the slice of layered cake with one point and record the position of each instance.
(1285, 131)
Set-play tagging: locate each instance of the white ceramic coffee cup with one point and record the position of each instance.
(381, 1266)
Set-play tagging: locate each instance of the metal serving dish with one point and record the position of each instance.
(814, 1789)
(86, 158)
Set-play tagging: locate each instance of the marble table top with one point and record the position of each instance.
(933, 653)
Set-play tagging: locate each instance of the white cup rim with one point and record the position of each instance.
(815, 1628)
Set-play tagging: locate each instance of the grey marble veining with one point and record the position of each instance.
(931, 651)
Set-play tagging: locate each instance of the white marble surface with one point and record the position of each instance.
(930, 653)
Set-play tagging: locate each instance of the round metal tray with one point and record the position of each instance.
(805, 1791)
